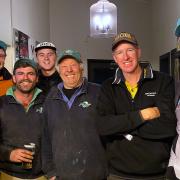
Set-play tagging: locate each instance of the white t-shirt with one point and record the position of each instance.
(175, 156)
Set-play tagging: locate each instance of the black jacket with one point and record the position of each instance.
(5, 74)
(74, 145)
(46, 82)
(17, 128)
(136, 148)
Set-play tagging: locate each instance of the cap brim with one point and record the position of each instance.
(122, 41)
(68, 56)
(177, 31)
(45, 47)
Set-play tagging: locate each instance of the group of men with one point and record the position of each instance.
(122, 130)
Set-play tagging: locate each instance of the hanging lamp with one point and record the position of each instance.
(103, 19)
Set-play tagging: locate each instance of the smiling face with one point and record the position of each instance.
(126, 56)
(25, 79)
(46, 59)
(71, 73)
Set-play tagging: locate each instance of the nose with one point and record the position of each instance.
(125, 54)
(46, 56)
(69, 68)
(25, 76)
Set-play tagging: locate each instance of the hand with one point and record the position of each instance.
(21, 155)
(53, 178)
(150, 113)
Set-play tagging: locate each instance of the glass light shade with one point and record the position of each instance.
(103, 19)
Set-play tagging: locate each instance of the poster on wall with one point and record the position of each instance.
(21, 44)
(24, 45)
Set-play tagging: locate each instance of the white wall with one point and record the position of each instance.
(66, 24)
(32, 18)
(164, 17)
(5, 33)
(69, 26)
(28, 16)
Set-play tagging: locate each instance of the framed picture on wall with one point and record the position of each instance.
(24, 45)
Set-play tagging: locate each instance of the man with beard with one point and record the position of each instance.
(46, 58)
(20, 123)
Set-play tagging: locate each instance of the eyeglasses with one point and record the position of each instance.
(2, 56)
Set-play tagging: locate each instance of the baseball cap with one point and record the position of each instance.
(25, 63)
(3, 45)
(70, 53)
(44, 45)
(124, 36)
(177, 30)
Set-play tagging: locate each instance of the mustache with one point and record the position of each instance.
(26, 80)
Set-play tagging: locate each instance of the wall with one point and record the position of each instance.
(164, 18)
(5, 35)
(32, 18)
(69, 26)
(26, 16)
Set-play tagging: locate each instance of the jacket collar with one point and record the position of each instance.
(57, 92)
(10, 92)
(147, 72)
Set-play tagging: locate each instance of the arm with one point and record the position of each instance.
(108, 120)
(47, 156)
(159, 124)
(165, 125)
(5, 150)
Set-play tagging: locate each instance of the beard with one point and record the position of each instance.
(26, 88)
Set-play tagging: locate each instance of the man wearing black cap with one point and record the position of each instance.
(21, 124)
(72, 147)
(137, 115)
(5, 76)
(46, 57)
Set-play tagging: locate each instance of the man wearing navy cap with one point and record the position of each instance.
(137, 115)
(72, 147)
(5, 76)
(46, 58)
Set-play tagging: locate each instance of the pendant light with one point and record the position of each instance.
(103, 19)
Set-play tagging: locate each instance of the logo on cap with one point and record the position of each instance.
(45, 45)
(124, 36)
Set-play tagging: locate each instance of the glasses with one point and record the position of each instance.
(2, 56)
(121, 53)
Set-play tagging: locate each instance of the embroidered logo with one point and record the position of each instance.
(150, 94)
(84, 104)
(40, 110)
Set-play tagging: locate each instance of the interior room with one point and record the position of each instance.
(66, 24)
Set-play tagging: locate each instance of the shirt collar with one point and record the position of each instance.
(147, 72)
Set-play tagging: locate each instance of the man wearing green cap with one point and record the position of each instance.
(72, 147)
(21, 125)
(5, 76)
